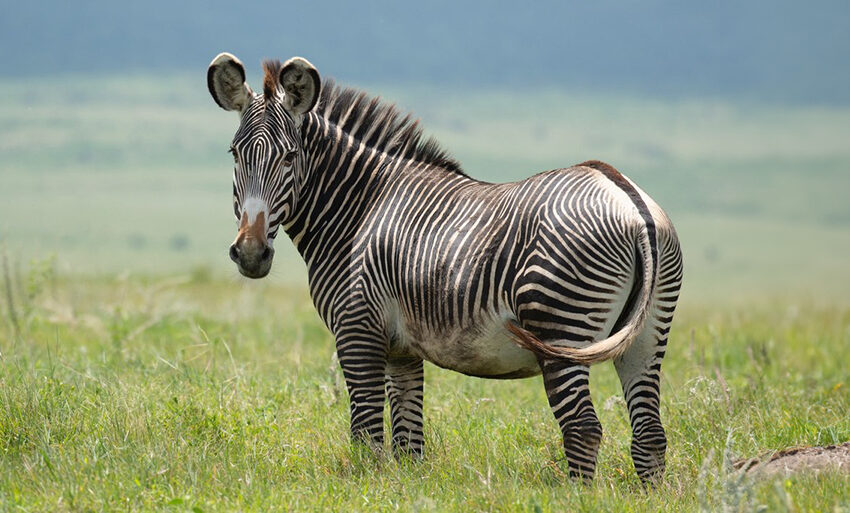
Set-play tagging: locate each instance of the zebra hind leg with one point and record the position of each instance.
(569, 397)
(639, 370)
(405, 380)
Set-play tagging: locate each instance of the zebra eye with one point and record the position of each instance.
(290, 158)
(232, 151)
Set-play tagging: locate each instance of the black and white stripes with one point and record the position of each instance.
(410, 259)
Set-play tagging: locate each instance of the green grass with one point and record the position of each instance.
(186, 394)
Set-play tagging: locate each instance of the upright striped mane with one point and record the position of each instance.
(370, 120)
(381, 125)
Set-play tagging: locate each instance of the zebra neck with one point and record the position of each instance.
(341, 180)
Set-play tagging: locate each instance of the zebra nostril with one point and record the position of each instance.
(234, 253)
(267, 254)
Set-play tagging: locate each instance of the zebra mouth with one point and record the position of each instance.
(255, 273)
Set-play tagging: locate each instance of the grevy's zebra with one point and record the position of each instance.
(410, 259)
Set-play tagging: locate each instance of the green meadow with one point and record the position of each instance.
(140, 372)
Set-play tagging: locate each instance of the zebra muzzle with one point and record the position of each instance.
(251, 251)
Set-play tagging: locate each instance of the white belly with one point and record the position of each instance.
(486, 351)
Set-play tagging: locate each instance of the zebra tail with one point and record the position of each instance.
(616, 344)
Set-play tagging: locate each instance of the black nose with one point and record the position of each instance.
(254, 258)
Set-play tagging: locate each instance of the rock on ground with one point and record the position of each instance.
(799, 459)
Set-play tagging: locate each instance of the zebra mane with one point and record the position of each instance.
(381, 125)
(271, 78)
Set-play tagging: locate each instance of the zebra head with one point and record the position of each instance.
(267, 150)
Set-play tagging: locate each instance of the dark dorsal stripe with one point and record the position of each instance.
(620, 181)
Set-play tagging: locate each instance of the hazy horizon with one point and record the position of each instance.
(780, 51)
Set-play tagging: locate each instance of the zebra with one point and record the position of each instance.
(411, 259)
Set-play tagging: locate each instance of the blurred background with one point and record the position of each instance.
(734, 116)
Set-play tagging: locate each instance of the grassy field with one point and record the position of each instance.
(138, 372)
(194, 395)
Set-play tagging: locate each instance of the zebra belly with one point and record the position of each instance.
(485, 351)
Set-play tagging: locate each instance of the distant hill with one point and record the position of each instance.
(782, 50)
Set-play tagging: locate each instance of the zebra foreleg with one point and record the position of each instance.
(569, 396)
(405, 381)
(364, 364)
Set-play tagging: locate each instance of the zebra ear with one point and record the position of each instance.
(226, 82)
(301, 86)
